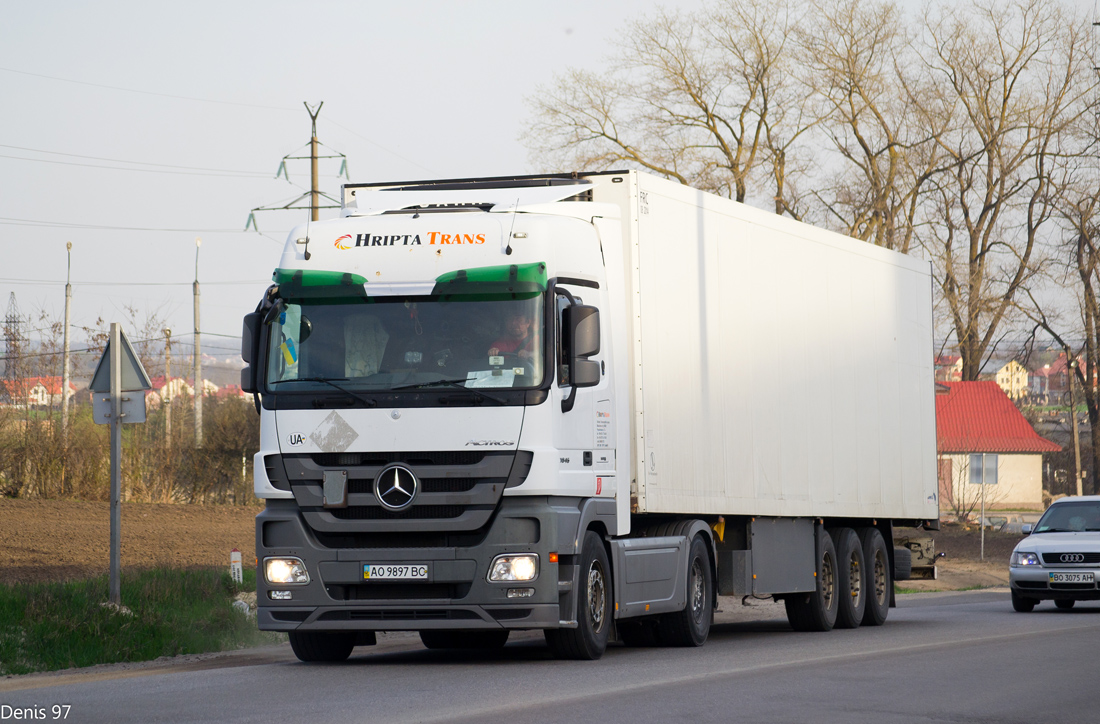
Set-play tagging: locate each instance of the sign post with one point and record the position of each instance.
(118, 392)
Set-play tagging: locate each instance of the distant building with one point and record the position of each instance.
(982, 439)
(949, 368)
(34, 391)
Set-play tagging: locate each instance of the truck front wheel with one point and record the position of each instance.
(322, 645)
(588, 640)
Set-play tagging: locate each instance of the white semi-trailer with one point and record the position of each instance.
(586, 404)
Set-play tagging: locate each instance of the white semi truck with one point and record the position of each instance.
(586, 404)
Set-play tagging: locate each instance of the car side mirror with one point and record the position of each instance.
(582, 325)
(1026, 528)
(250, 351)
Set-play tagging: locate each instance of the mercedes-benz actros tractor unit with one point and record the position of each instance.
(587, 404)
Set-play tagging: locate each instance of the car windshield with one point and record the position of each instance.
(375, 344)
(1070, 517)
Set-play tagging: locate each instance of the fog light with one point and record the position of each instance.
(520, 592)
(518, 567)
(279, 595)
(282, 571)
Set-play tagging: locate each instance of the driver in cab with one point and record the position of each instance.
(518, 337)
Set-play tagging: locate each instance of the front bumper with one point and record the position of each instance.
(456, 595)
(1034, 582)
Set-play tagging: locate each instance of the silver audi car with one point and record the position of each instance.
(1060, 559)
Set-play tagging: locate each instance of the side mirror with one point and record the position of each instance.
(1026, 528)
(582, 326)
(250, 351)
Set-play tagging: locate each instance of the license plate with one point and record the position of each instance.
(1072, 577)
(394, 572)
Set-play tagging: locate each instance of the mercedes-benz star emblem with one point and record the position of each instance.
(396, 487)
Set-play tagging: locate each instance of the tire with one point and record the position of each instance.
(816, 611)
(1064, 603)
(691, 626)
(1022, 604)
(851, 573)
(483, 640)
(322, 645)
(588, 640)
(903, 564)
(878, 583)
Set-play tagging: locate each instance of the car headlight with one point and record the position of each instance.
(518, 567)
(1021, 558)
(283, 571)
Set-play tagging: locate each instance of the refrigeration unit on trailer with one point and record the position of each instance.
(587, 404)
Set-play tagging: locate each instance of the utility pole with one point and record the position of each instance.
(115, 579)
(314, 189)
(66, 363)
(167, 390)
(198, 354)
(1072, 366)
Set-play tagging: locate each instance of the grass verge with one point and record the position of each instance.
(50, 626)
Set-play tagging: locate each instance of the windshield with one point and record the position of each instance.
(392, 343)
(1070, 517)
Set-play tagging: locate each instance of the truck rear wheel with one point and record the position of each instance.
(484, 640)
(851, 596)
(816, 611)
(588, 640)
(691, 626)
(877, 583)
(322, 645)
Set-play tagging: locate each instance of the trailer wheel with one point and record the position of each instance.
(484, 640)
(1022, 604)
(588, 640)
(816, 611)
(851, 573)
(691, 626)
(877, 582)
(322, 645)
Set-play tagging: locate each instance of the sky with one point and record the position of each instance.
(131, 129)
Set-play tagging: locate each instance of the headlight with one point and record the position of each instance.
(1020, 558)
(521, 567)
(284, 571)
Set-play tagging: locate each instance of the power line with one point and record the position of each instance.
(230, 174)
(10, 221)
(379, 146)
(145, 92)
(122, 160)
(133, 284)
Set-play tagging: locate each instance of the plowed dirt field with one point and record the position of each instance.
(56, 540)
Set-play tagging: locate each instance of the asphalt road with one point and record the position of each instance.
(956, 657)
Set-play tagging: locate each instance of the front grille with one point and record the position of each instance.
(419, 512)
(398, 591)
(427, 485)
(400, 539)
(1055, 559)
(443, 457)
(415, 614)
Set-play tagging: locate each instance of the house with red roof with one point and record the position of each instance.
(34, 391)
(983, 440)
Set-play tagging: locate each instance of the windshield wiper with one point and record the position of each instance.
(365, 400)
(452, 383)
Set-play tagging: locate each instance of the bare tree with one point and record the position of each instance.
(1011, 81)
(706, 99)
(860, 68)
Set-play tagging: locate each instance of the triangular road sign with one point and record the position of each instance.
(133, 374)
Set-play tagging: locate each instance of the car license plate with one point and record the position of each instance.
(394, 572)
(1072, 577)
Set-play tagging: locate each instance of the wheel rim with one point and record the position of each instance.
(880, 578)
(698, 592)
(597, 596)
(828, 582)
(855, 581)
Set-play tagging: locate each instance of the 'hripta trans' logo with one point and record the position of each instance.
(340, 242)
